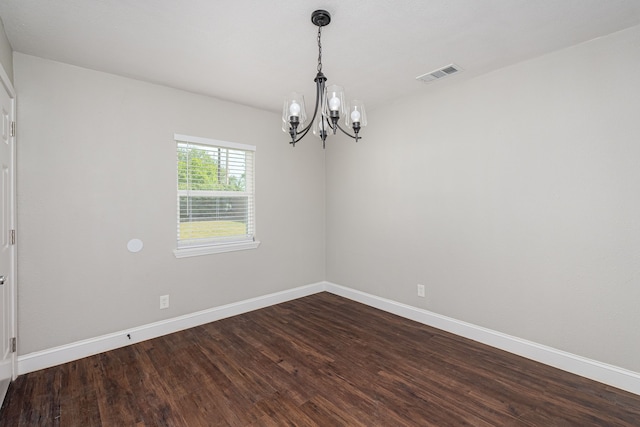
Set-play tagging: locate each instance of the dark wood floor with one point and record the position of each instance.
(316, 361)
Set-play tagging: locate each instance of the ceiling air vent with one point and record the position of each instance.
(439, 73)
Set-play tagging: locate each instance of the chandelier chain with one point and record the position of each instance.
(319, 50)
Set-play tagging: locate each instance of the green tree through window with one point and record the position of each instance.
(206, 169)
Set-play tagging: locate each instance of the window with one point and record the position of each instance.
(216, 203)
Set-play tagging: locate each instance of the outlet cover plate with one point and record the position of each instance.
(164, 302)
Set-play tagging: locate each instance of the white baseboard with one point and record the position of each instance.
(598, 371)
(77, 350)
(588, 368)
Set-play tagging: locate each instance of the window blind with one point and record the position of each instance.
(216, 202)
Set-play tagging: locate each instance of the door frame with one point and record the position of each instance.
(13, 274)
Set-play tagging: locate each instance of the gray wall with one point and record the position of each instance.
(6, 53)
(97, 167)
(513, 197)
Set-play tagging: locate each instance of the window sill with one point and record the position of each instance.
(214, 249)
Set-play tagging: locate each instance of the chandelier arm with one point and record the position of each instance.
(307, 127)
(333, 129)
(319, 89)
(356, 137)
(304, 132)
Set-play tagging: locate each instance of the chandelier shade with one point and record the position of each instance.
(329, 107)
(293, 110)
(356, 114)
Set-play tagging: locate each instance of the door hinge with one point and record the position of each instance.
(13, 237)
(13, 128)
(13, 344)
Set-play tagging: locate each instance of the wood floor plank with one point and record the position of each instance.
(321, 360)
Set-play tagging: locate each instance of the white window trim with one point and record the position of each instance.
(215, 249)
(206, 249)
(214, 142)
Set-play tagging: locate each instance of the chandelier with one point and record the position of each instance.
(329, 105)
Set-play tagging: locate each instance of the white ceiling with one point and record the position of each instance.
(256, 52)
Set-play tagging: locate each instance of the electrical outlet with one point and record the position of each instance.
(164, 301)
(421, 291)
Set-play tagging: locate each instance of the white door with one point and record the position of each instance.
(7, 247)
